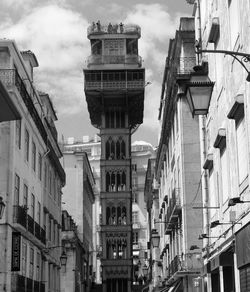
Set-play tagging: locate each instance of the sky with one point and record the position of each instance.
(56, 32)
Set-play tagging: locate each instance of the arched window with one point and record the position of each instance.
(124, 216)
(113, 216)
(110, 149)
(123, 181)
(119, 213)
(107, 215)
(108, 182)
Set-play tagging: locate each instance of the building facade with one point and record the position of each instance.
(224, 25)
(114, 89)
(75, 273)
(31, 181)
(177, 262)
(73, 150)
(81, 187)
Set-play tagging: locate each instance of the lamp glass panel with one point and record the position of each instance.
(201, 97)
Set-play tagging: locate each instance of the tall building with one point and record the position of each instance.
(222, 34)
(31, 181)
(114, 89)
(177, 262)
(74, 151)
(78, 200)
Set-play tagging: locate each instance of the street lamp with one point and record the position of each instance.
(2, 206)
(199, 91)
(155, 238)
(63, 259)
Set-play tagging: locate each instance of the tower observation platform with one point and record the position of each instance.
(114, 89)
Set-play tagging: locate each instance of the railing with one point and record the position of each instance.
(120, 59)
(23, 284)
(174, 207)
(113, 29)
(175, 265)
(131, 79)
(31, 223)
(184, 65)
(21, 217)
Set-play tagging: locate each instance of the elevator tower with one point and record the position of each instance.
(114, 89)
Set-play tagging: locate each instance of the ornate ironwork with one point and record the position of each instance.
(245, 58)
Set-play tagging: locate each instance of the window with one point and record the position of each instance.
(33, 156)
(241, 140)
(50, 182)
(135, 197)
(49, 237)
(132, 46)
(40, 166)
(39, 213)
(38, 266)
(134, 167)
(26, 144)
(25, 195)
(45, 175)
(44, 221)
(135, 237)
(135, 218)
(31, 263)
(213, 199)
(17, 190)
(24, 258)
(18, 133)
(33, 206)
(114, 47)
(224, 175)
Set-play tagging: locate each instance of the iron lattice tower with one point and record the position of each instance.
(114, 89)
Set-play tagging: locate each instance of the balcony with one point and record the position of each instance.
(184, 65)
(108, 59)
(23, 284)
(114, 80)
(187, 264)
(21, 217)
(173, 211)
(116, 29)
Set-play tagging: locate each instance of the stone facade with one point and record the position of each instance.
(31, 181)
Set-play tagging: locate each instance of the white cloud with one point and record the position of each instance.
(57, 36)
(157, 27)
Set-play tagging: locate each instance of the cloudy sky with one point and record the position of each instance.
(55, 30)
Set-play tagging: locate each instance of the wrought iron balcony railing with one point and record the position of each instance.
(191, 262)
(131, 79)
(116, 59)
(184, 65)
(21, 217)
(114, 29)
(10, 77)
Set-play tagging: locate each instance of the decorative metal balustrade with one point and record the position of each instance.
(97, 28)
(21, 217)
(109, 59)
(190, 263)
(183, 65)
(24, 284)
(115, 80)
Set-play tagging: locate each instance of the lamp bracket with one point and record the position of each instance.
(244, 56)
